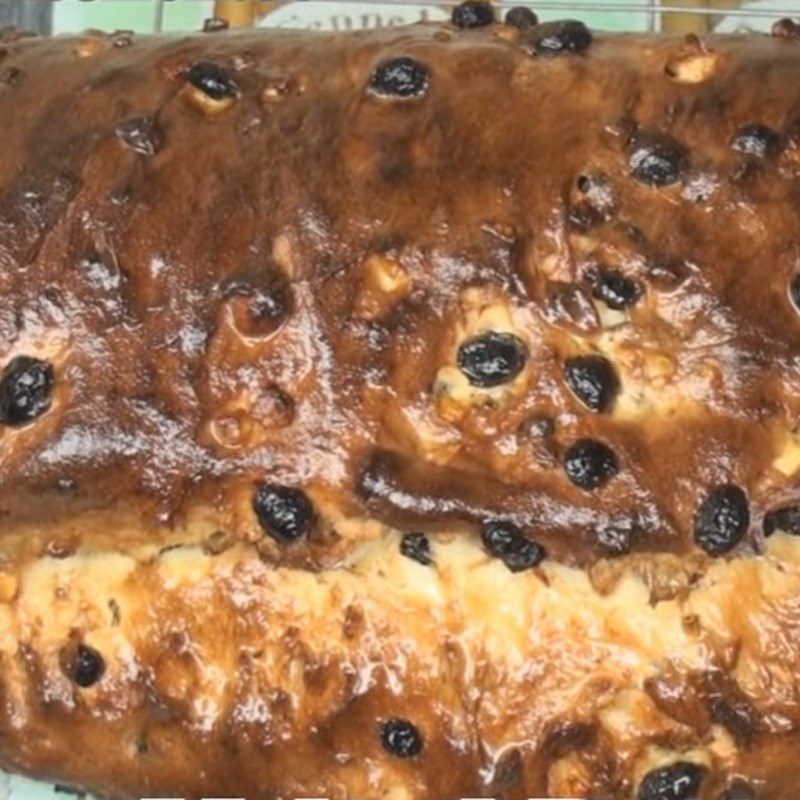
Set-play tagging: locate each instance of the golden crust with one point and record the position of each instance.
(227, 676)
(274, 285)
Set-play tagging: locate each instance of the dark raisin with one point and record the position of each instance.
(722, 519)
(656, 159)
(214, 24)
(505, 541)
(492, 359)
(401, 738)
(122, 38)
(589, 464)
(786, 29)
(521, 17)
(615, 289)
(212, 80)
(400, 77)
(283, 512)
(142, 135)
(758, 141)
(87, 666)
(417, 547)
(679, 781)
(473, 14)
(593, 380)
(25, 388)
(794, 291)
(786, 519)
(555, 38)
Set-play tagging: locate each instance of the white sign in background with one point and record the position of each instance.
(316, 15)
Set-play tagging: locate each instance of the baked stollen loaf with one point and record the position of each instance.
(401, 415)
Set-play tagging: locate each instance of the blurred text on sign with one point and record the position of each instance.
(350, 16)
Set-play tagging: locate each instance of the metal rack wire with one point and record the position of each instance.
(728, 9)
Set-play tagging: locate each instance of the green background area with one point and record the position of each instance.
(137, 15)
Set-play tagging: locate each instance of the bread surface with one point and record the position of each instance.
(401, 415)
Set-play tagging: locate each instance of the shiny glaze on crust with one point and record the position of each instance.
(269, 281)
(170, 390)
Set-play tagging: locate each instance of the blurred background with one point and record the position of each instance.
(699, 16)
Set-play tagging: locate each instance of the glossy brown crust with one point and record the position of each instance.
(274, 286)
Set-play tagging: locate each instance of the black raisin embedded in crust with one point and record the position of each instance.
(786, 29)
(84, 665)
(473, 14)
(214, 81)
(616, 290)
(402, 78)
(26, 386)
(785, 518)
(417, 547)
(401, 738)
(122, 38)
(491, 359)
(505, 541)
(215, 24)
(559, 38)
(590, 464)
(722, 519)
(656, 159)
(681, 780)
(283, 512)
(521, 17)
(593, 380)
